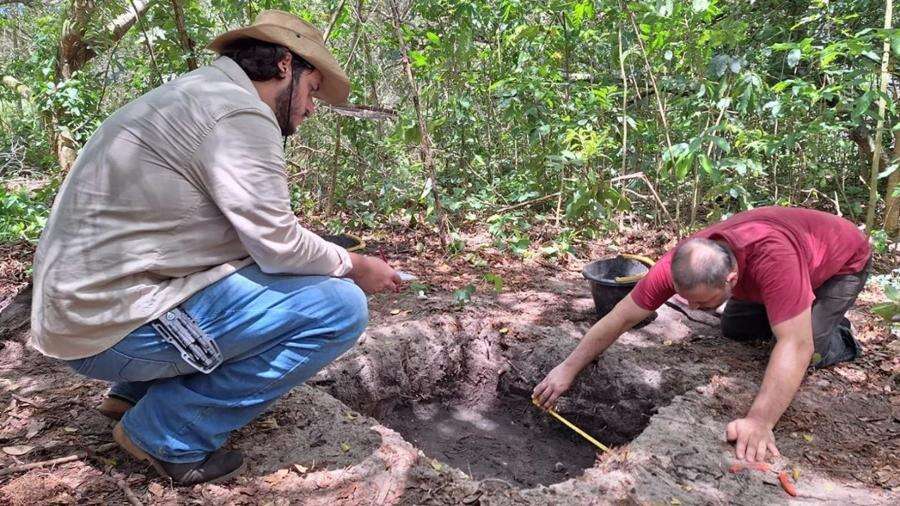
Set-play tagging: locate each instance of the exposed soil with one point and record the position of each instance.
(508, 441)
(661, 395)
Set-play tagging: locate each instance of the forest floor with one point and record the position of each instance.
(432, 406)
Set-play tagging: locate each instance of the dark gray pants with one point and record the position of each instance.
(834, 342)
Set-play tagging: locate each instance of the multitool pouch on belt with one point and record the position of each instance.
(197, 348)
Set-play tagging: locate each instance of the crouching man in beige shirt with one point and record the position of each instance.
(173, 266)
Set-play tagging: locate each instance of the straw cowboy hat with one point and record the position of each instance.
(279, 27)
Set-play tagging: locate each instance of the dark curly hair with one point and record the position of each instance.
(259, 59)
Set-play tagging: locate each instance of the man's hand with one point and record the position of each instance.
(624, 316)
(373, 275)
(555, 384)
(752, 438)
(752, 435)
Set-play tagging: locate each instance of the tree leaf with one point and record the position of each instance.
(429, 184)
(495, 280)
(719, 64)
(793, 58)
(888, 171)
(886, 310)
(862, 104)
(706, 164)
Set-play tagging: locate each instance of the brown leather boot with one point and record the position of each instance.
(218, 466)
(114, 408)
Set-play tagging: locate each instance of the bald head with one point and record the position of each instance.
(700, 263)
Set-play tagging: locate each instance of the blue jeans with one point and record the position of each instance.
(274, 331)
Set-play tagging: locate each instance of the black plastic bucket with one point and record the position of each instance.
(347, 241)
(602, 276)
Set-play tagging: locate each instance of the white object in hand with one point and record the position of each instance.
(405, 276)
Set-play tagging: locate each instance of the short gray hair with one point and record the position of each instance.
(701, 262)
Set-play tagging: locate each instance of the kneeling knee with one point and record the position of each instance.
(353, 307)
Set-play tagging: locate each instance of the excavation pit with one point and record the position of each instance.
(469, 407)
(511, 440)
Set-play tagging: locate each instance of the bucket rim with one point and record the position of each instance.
(602, 282)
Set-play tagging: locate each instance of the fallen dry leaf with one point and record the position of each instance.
(277, 477)
(17, 450)
(156, 489)
(34, 427)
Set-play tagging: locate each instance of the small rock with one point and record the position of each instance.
(559, 467)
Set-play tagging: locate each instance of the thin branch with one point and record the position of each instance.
(425, 142)
(123, 486)
(147, 42)
(527, 203)
(123, 22)
(624, 104)
(187, 43)
(659, 202)
(334, 18)
(363, 112)
(56, 461)
(109, 60)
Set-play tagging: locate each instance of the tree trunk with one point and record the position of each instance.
(425, 142)
(876, 155)
(75, 49)
(892, 206)
(865, 144)
(187, 43)
(335, 163)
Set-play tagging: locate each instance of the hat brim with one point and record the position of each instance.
(335, 86)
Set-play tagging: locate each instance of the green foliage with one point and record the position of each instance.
(523, 101)
(495, 281)
(462, 296)
(889, 309)
(22, 215)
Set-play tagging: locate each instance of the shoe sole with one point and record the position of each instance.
(232, 474)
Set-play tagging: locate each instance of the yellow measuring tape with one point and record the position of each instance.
(572, 426)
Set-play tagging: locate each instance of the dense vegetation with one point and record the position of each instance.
(565, 115)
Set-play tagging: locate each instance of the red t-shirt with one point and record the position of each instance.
(783, 254)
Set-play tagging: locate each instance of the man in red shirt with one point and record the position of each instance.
(791, 272)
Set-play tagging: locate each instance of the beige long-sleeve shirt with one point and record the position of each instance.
(174, 191)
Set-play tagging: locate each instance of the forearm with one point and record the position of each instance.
(605, 332)
(594, 342)
(783, 376)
